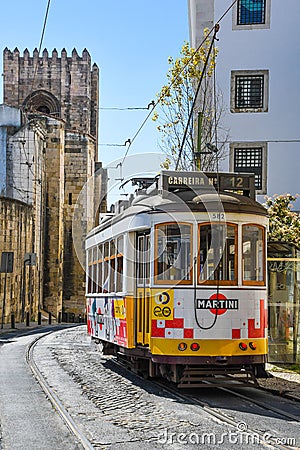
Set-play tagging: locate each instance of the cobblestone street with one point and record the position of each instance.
(117, 409)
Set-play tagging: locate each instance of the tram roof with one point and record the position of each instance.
(181, 197)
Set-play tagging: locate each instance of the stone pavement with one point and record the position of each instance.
(283, 381)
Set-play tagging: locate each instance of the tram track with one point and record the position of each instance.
(53, 398)
(261, 404)
(239, 426)
(236, 427)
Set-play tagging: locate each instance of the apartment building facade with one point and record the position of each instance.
(258, 75)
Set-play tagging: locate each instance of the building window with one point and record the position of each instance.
(249, 91)
(250, 158)
(251, 12)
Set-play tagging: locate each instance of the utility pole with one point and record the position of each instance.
(199, 139)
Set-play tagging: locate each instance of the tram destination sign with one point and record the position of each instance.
(171, 181)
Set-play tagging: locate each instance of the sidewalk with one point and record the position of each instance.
(277, 370)
(21, 326)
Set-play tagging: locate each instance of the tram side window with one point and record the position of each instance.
(100, 267)
(143, 259)
(105, 286)
(112, 263)
(119, 270)
(95, 262)
(253, 254)
(173, 252)
(90, 271)
(218, 253)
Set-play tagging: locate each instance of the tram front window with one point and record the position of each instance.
(218, 253)
(253, 254)
(173, 252)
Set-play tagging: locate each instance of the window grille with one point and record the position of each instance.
(249, 91)
(250, 160)
(251, 12)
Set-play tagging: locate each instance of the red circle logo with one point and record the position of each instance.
(218, 311)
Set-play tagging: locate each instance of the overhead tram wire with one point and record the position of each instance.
(30, 92)
(217, 269)
(113, 145)
(215, 117)
(130, 108)
(41, 43)
(116, 145)
(175, 79)
(218, 183)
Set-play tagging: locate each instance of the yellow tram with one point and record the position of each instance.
(176, 277)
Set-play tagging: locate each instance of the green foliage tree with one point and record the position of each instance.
(175, 104)
(284, 224)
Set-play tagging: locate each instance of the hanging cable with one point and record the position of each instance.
(112, 145)
(219, 224)
(217, 170)
(215, 119)
(152, 103)
(195, 302)
(217, 27)
(40, 46)
(176, 78)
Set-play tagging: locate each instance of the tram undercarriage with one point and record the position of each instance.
(188, 372)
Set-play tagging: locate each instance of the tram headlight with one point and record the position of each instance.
(195, 346)
(252, 345)
(243, 346)
(182, 346)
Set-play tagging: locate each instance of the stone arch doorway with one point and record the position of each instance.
(43, 102)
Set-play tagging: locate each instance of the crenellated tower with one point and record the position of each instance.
(65, 87)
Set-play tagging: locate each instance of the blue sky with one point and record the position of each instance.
(130, 41)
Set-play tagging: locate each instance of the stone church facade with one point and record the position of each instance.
(58, 98)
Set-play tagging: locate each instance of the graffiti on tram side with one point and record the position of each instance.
(119, 308)
(107, 319)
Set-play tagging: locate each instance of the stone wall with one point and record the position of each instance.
(23, 284)
(54, 216)
(79, 168)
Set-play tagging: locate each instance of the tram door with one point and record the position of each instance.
(143, 289)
